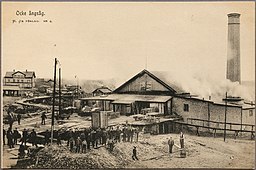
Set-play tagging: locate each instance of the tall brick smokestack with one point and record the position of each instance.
(233, 56)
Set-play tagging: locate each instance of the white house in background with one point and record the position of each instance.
(23, 79)
(16, 83)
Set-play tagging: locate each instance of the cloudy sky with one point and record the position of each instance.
(113, 40)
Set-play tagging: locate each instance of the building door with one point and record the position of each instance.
(142, 105)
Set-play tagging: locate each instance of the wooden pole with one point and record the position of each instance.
(59, 91)
(53, 100)
(225, 122)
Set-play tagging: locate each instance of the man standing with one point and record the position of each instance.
(16, 135)
(84, 145)
(58, 138)
(137, 134)
(43, 118)
(170, 143)
(10, 138)
(181, 140)
(78, 144)
(4, 134)
(118, 134)
(93, 137)
(33, 138)
(124, 133)
(47, 137)
(71, 144)
(10, 119)
(24, 137)
(18, 118)
(104, 137)
(134, 153)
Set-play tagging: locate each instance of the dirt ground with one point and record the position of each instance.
(152, 151)
(202, 152)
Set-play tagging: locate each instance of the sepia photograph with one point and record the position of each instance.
(141, 85)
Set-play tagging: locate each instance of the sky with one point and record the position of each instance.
(117, 40)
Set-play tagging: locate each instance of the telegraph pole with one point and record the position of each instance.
(53, 100)
(225, 121)
(59, 91)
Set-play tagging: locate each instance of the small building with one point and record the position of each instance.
(101, 91)
(142, 91)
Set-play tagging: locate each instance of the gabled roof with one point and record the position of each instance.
(27, 74)
(167, 78)
(103, 90)
(159, 78)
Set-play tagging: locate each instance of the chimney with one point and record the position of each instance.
(26, 70)
(13, 70)
(233, 53)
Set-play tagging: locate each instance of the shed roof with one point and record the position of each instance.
(8, 87)
(129, 98)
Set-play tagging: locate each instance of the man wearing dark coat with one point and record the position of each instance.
(24, 137)
(16, 135)
(18, 118)
(43, 118)
(47, 137)
(134, 153)
(170, 144)
(4, 134)
(10, 138)
(33, 138)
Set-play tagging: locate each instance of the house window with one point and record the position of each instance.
(146, 86)
(186, 108)
(250, 112)
(149, 86)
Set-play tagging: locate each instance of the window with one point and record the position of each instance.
(149, 86)
(250, 112)
(145, 86)
(186, 108)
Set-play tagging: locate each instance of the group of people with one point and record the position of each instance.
(14, 135)
(171, 142)
(80, 141)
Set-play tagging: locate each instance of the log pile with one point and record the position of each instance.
(61, 157)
